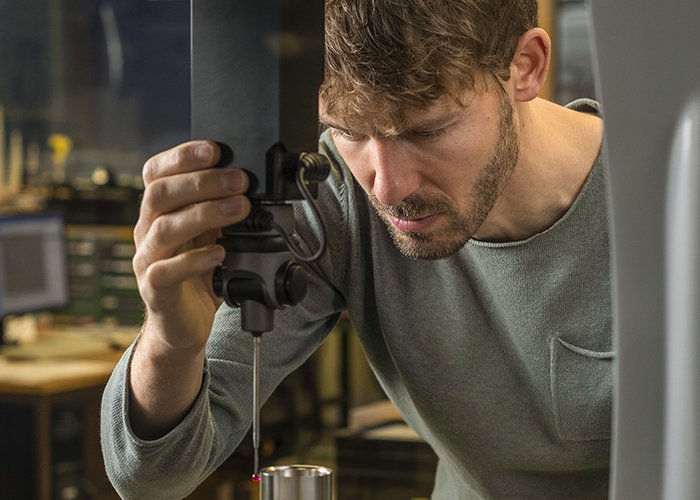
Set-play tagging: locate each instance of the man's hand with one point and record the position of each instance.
(185, 203)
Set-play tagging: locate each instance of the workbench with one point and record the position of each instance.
(49, 419)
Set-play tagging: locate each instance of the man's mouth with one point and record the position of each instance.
(414, 225)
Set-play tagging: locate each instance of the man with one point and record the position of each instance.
(468, 243)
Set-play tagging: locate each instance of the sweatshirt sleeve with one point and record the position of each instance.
(168, 467)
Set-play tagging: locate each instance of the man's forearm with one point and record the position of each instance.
(164, 383)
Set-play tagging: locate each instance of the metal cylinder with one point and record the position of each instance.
(296, 482)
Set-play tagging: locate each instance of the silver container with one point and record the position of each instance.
(296, 482)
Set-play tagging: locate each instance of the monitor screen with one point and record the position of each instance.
(33, 267)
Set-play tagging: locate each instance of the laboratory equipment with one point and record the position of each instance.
(296, 482)
(648, 77)
(256, 69)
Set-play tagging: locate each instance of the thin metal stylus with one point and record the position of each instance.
(256, 404)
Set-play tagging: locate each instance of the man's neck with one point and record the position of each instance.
(558, 148)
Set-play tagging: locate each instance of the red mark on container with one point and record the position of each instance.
(255, 478)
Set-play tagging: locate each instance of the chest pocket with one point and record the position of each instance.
(581, 387)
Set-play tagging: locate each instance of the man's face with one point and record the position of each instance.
(434, 184)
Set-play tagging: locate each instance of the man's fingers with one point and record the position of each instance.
(184, 205)
(176, 192)
(169, 232)
(166, 274)
(187, 157)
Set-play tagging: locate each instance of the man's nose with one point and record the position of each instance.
(395, 177)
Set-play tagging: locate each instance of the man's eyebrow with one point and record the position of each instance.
(435, 123)
(325, 121)
(431, 123)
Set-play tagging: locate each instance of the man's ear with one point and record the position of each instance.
(531, 63)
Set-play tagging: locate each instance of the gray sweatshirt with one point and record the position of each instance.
(499, 356)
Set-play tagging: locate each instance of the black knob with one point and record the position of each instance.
(290, 284)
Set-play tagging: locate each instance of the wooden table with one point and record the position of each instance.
(32, 395)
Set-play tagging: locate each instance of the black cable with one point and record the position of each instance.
(293, 247)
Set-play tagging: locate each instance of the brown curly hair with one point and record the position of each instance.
(384, 57)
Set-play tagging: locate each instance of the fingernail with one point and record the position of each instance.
(233, 206)
(217, 253)
(204, 152)
(233, 180)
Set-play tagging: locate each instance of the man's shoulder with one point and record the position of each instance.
(586, 105)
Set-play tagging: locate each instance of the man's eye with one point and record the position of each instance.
(427, 134)
(347, 134)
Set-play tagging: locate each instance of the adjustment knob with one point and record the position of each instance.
(290, 284)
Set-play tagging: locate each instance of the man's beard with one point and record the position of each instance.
(492, 179)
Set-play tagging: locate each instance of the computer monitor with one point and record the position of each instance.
(33, 266)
